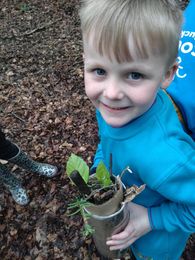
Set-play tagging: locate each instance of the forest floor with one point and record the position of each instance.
(43, 108)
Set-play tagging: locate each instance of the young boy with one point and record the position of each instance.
(130, 48)
(182, 90)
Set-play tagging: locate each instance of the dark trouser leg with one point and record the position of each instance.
(7, 148)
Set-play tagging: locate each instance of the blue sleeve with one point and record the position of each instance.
(193, 133)
(179, 210)
(173, 216)
(98, 156)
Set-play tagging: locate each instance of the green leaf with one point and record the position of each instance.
(103, 175)
(87, 230)
(77, 163)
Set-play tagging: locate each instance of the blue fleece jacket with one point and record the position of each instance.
(162, 156)
(182, 89)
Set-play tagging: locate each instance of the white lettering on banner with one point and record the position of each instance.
(180, 73)
(182, 34)
(187, 47)
(188, 34)
(192, 34)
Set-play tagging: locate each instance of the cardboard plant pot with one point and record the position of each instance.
(105, 199)
(107, 219)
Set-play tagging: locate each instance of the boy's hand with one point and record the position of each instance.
(138, 226)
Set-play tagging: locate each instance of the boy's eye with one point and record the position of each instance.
(135, 76)
(100, 72)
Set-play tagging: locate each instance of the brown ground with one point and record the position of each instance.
(43, 108)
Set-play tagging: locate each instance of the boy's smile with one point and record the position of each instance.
(122, 91)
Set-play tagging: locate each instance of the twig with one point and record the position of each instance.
(126, 169)
(27, 33)
(98, 190)
(16, 116)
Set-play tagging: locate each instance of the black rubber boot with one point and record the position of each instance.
(42, 169)
(13, 185)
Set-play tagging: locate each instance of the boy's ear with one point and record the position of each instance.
(169, 76)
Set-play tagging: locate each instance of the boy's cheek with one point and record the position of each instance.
(89, 86)
(89, 91)
(93, 98)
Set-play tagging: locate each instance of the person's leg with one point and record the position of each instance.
(7, 149)
(13, 185)
(24, 161)
(12, 153)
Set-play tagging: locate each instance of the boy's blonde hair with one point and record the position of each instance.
(116, 27)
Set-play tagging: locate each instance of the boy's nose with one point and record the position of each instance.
(112, 90)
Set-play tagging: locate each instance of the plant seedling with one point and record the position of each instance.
(78, 171)
(98, 189)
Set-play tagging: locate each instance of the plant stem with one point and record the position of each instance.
(110, 164)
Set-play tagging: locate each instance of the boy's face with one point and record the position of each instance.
(122, 91)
